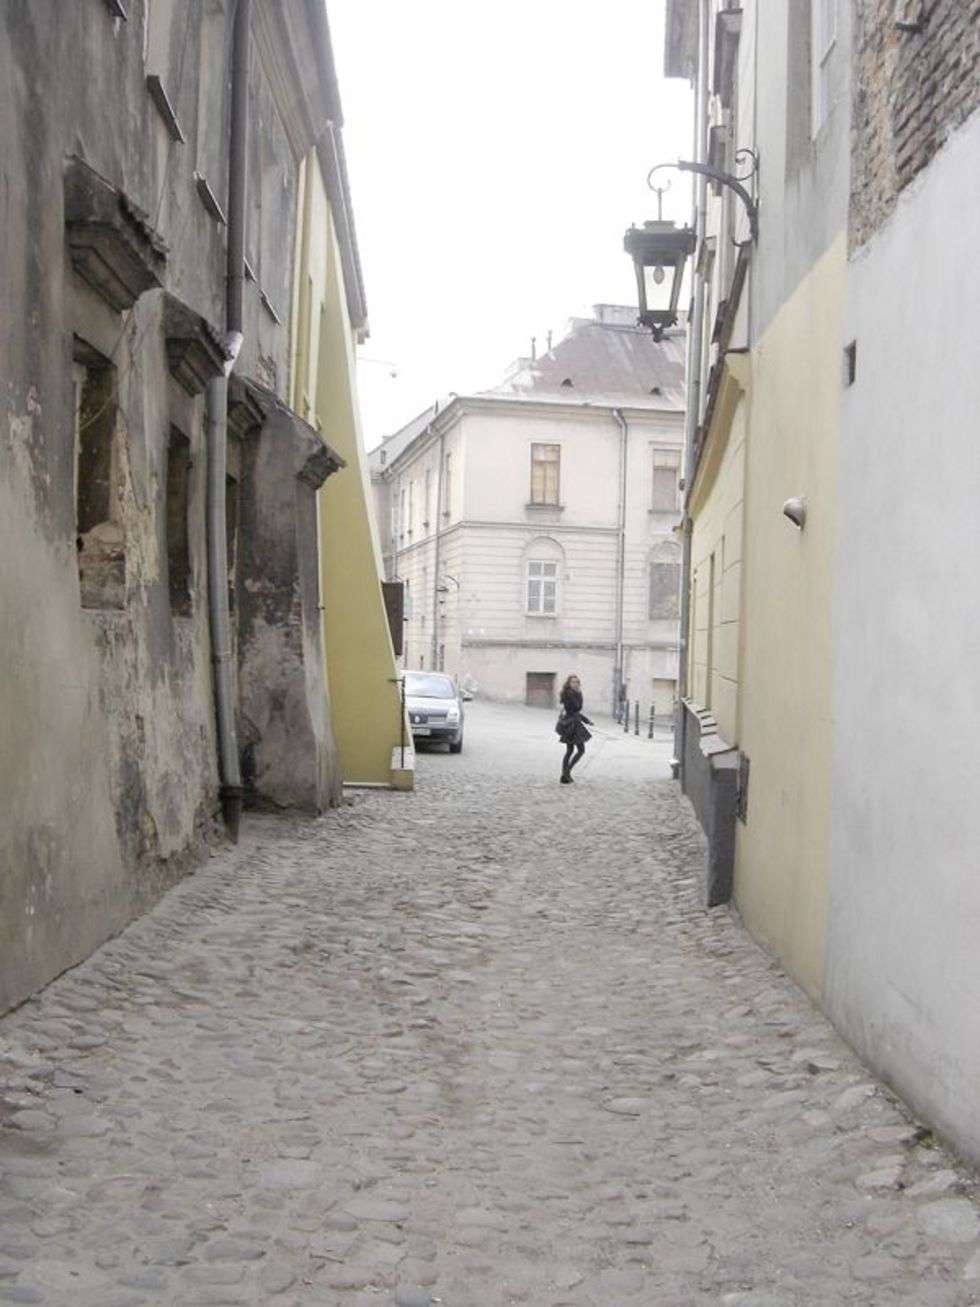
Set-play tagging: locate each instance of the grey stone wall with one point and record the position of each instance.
(911, 89)
(289, 758)
(107, 754)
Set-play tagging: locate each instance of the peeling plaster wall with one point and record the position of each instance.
(107, 757)
(107, 752)
(288, 753)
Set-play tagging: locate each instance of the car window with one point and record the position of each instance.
(425, 686)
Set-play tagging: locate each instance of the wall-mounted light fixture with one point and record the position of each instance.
(795, 510)
(659, 251)
(746, 158)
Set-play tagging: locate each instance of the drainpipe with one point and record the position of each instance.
(619, 670)
(693, 409)
(217, 435)
(438, 542)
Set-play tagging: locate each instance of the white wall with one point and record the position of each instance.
(491, 533)
(903, 953)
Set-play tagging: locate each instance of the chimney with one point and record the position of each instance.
(534, 348)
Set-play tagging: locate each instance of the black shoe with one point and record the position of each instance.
(566, 778)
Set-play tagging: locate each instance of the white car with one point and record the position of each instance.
(435, 708)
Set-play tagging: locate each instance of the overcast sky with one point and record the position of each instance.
(498, 150)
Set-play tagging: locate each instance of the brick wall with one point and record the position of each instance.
(911, 89)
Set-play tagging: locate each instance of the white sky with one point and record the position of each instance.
(498, 150)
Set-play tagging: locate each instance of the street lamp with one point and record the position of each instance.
(659, 250)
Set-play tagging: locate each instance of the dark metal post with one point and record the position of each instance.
(636, 718)
(626, 716)
(651, 721)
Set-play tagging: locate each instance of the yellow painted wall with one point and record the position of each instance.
(785, 705)
(716, 558)
(365, 703)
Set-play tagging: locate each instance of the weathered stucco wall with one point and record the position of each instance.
(717, 507)
(106, 756)
(288, 754)
(903, 967)
(787, 706)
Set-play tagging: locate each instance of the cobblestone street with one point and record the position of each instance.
(475, 1046)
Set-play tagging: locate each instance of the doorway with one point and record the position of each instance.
(540, 690)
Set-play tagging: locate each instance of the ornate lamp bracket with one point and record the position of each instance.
(748, 160)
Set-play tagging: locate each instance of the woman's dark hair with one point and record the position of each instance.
(568, 684)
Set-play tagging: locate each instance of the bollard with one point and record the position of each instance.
(626, 716)
(636, 718)
(651, 722)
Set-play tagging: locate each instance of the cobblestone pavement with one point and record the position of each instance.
(474, 1046)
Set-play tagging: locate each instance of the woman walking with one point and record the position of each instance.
(572, 727)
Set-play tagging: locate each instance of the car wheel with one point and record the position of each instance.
(456, 746)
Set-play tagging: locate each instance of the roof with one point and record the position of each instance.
(384, 454)
(606, 359)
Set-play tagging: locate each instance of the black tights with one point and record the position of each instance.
(570, 748)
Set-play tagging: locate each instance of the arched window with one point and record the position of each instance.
(665, 580)
(543, 559)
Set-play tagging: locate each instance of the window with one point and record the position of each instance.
(211, 77)
(427, 507)
(666, 465)
(99, 535)
(542, 587)
(178, 536)
(163, 39)
(665, 580)
(401, 513)
(824, 35)
(545, 472)
(411, 507)
(158, 16)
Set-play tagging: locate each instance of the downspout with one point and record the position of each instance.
(693, 398)
(438, 542)
(619, 670)
(217, 435)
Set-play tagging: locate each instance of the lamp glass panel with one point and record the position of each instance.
(659, 283)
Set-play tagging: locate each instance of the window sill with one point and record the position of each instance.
(545, 508)
(165, 108)
(209, 199)
(548, 617)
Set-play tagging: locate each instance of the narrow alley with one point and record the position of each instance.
(475, 1046)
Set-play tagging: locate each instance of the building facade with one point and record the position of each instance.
(821, 557)
(162, 501)
(533, 525)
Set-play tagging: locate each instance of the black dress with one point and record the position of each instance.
(571, 726)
